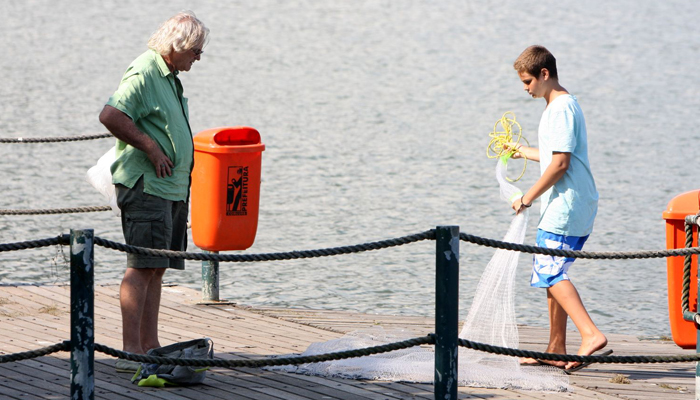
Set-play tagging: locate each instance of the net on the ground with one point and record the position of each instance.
(491, 319)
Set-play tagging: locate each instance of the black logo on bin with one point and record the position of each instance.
(237, 191)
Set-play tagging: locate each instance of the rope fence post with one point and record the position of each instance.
(446, 311)
(697, 327)
(210, 279)
(691, 226)
(82, 313)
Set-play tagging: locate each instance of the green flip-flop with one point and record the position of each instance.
(127, 366)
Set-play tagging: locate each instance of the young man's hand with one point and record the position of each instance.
(521, 151)
(519, 206)
(516, 147)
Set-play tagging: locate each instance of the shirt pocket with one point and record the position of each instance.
(146, 229)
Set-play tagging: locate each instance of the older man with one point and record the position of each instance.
(154, 157)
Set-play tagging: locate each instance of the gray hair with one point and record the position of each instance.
(180, 33)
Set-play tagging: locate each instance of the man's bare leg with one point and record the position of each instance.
(133, 294)
(149, 318)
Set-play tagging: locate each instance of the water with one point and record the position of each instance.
(375, 116)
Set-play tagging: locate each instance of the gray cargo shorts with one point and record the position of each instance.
(152, 222)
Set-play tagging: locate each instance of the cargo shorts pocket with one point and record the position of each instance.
(146, 229)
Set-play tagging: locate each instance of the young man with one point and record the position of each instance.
(569, 200)
(148, 116)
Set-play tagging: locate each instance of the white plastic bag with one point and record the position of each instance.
(100, 177)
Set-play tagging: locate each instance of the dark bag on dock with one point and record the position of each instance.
(156, 375)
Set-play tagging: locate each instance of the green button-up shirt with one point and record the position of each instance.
(152, 97)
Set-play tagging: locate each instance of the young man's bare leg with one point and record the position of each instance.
(149, 318)
(557, 334)
(592, 339)
(557, 330)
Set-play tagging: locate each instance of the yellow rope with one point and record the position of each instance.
(510, 132)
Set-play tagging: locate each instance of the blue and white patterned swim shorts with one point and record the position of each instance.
(548, 270)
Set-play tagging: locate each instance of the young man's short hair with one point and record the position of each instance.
(533, 59)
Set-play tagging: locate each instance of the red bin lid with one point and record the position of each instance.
(238, 139)
(684, 204)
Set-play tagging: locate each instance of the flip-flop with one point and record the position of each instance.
(586, 364)
(539, 363)
(126, 366)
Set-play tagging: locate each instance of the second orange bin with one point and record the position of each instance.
(226, 188)
(684, 332)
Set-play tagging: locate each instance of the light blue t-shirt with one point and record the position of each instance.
(569, 207)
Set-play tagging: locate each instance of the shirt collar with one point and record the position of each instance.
(162, 65)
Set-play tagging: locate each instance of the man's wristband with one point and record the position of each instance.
(523, 203)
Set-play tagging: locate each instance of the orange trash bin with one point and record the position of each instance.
(226, 188)
(684, 332)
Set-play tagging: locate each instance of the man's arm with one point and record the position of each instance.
(554, 172)
(124, 129)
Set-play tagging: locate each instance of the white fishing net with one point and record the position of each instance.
(491, 320)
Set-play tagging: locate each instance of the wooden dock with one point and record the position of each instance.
(32, 317)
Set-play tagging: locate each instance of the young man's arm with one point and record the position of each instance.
(550, 176)
(531, 153)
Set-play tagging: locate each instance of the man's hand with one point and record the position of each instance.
(160, 161)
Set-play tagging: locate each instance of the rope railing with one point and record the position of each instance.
(638, 359)
(268, 362)
(430, 234)
(33, 244)
(55, 210)
(385, 348)
(56, 139)
(577, 253)
(333, 251)
(293, 255)
(481, 241)
(28, 355)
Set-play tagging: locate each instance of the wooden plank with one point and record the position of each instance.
(321, 388)
(345, 385)
(12, 389)
(242, 327)
(195, 327)
(260, 381)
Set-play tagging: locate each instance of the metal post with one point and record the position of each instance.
(446, 312)
(82, 312)
(210, 279)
